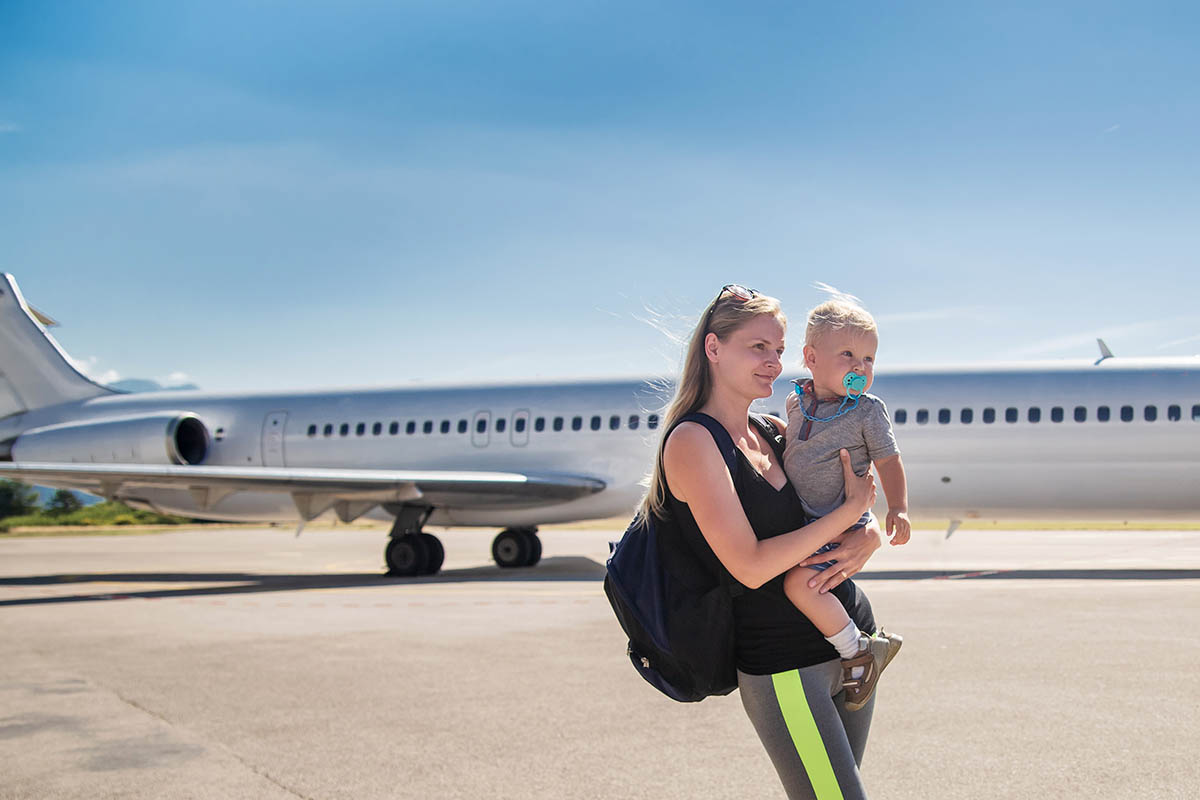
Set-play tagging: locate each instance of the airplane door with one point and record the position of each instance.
(520, 428)
(479, 428)
(272, 439)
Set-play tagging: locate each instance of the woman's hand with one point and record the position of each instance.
(856, 547)
(860, 489)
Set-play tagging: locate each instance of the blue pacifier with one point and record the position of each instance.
(855, 384)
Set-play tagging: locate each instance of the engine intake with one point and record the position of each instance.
(169, 437)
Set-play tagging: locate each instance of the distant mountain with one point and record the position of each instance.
(144, 385)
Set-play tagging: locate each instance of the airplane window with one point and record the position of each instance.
(652, 420)
(558, 423)
(1102, 414)
(1035, 414)
(596, 422)
(1150, 413)
(1195, 413)
(519, 424)
(1126, 413)
(576, 423)
(394, 428)
(411, 427)
(344, 430)
(1173, 413)
(445, 426)
(922, 416)
(901, 416)
(989, 416)
(966, 416)
(328, 430)
(481, 425)
(614, 422)
(312, 430)
(1056, 414)
(539, 424)
(501, 424)
(633, 422)
(1081, 413)
(1010, 414)
(428, 426)
(462, 426)
(360, 429)
(377, 429)
(943, 416)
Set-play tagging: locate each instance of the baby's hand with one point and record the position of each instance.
(898, 526)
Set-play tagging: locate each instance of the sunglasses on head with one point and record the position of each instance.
(737, 291)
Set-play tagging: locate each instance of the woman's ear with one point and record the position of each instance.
(712, 347)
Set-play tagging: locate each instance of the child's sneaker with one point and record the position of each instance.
(875, 654)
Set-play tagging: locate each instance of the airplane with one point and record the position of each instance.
(1112, 439)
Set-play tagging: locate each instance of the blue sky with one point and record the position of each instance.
(272, 195)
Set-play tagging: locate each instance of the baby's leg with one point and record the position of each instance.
(825, 611)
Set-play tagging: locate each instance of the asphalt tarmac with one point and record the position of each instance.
(251, 664)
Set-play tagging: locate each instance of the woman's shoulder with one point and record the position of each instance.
(688, 439)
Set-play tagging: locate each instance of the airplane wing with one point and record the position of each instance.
(351, 492)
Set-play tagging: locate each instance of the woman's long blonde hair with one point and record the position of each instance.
(722, 316)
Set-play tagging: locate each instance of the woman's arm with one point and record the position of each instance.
(697, 475)
(852, 554)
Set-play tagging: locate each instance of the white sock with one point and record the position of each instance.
(846, 641)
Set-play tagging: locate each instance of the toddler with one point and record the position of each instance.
(827, 413)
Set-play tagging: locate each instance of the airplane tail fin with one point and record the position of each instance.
(34, 371)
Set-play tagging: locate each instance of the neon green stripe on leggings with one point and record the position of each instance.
(789, 691)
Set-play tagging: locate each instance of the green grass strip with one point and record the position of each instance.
(789, 691)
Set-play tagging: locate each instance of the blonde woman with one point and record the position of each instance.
(751, 525)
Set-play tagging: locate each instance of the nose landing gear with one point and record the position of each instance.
(517, 547)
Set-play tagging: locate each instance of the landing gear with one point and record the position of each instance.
(410, 551)
(517, 547)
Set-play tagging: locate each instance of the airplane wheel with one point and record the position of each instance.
(407, 555)
(535, 549)
(511, 548)
(437, 554)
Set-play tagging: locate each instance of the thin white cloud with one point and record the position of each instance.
(934, 315)
(1177, 342)
(1073, 341)
(88, 366)
(176, 378)
(1111, 129)
(9, 127)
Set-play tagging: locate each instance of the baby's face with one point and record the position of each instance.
(837, 353)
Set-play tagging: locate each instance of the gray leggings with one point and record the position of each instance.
(815, 744)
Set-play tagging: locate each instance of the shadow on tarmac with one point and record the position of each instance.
(559, 568)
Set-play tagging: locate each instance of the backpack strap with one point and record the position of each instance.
(774, 437)
(729, 453)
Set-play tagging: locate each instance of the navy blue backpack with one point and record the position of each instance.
(677, 614)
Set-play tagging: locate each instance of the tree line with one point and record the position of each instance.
(20, 507)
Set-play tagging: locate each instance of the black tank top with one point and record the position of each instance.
(772, 635)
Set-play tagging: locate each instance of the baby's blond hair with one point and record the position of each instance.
(840, 312)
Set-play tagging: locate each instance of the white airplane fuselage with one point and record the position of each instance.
(1140, 463)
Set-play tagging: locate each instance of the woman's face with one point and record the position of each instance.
(749, 360)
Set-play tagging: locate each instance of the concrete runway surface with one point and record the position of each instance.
(250, 664)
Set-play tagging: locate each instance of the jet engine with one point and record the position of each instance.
(165, 437)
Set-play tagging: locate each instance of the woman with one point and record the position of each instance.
(789, 677)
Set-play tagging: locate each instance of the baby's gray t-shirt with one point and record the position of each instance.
(811, 459)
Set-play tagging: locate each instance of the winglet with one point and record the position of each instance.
(954, 523)
(1104, 351)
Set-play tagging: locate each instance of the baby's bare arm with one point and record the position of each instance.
(895, 489)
